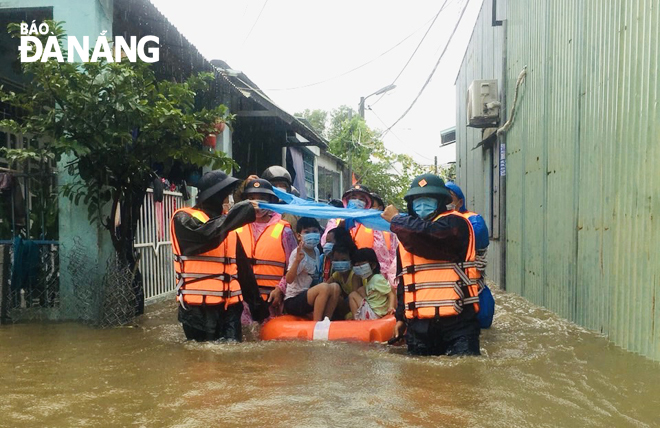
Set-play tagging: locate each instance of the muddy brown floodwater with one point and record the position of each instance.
(536, 371)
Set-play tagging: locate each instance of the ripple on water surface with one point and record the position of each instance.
(536, 370)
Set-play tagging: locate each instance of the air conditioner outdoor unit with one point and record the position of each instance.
(483, 107)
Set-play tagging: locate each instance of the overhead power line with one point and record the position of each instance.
(255, 23)
(352, 69)
(428, 80)
(414, 52)
(400, 140)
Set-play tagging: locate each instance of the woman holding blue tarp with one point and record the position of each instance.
(383, 243)
(268, 242)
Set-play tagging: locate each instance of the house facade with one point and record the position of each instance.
(263, 135)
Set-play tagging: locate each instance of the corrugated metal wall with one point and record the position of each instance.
(583, 163)
(476, 169)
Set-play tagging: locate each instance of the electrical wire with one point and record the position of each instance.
(414, 52)
(255, 24)
(400, 140)
(391, 165)
(353, 69)
(358, 143)
(428, 80)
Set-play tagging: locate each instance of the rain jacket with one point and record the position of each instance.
(445, 239)
(195, 237)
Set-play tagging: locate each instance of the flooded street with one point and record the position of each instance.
(536, 370)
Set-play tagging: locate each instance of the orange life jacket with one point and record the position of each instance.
(266, 254)
(364, 237)
(436, 288)
(209, 278)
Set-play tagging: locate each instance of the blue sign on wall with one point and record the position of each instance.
(502, 160)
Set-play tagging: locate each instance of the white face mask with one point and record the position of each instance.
(261, 212)
(229, 205)
(363, 271)
(327, 248)
(451, 207)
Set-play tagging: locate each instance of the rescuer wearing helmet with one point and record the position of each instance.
(279, 177)
(383, 243)
(438, 290)
(214, 276)
(268, 242)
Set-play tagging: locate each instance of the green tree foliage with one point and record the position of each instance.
(448, 173)
(387, 173)
(109, 124)
(338, 119)
(317, 118)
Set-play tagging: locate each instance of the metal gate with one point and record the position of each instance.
(29, 250)
(155, 245)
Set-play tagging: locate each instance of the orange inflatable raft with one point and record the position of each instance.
(288, 327)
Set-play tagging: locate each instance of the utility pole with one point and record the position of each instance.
(435, 162)
(361, 113)
(350, 151)
(378, 92)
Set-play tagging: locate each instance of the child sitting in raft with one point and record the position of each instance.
(342, 274)
(336, 236)
(375, 298)
(303, 295)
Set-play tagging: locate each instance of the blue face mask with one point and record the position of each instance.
(363, 271)
(327, 248)
(341, 266)
(424, 207)
(356, 204)
(311, 240)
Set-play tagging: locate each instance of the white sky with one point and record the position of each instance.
(299, 42)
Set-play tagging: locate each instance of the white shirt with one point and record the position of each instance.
(307, 269)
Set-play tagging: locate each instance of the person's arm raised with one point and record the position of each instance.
(292, 273)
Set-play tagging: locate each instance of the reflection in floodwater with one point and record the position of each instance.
(536, 371)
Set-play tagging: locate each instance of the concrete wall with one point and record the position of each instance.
(77, 237)
(83, 17)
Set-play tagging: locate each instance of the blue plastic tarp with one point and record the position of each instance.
(303, 208)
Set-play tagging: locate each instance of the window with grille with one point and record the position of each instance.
(329, 184)
(308, 163)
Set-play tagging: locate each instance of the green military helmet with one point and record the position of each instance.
(428, 185)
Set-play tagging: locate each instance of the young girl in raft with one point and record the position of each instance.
(337, 236)
(375, 298)
(342, 274)
(304, 294)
